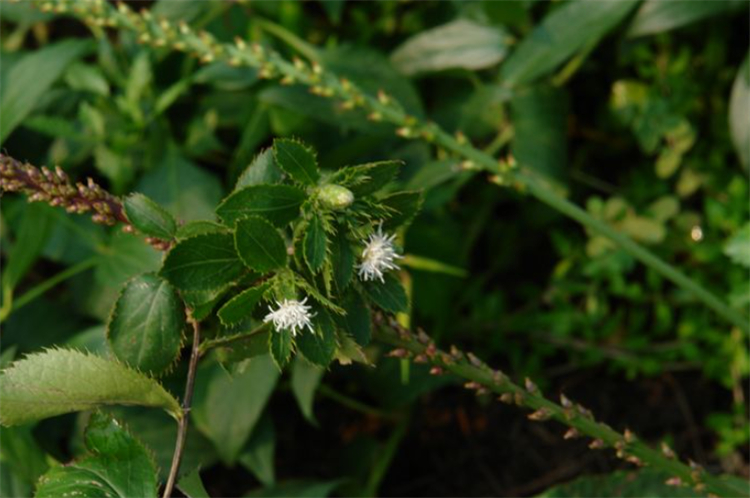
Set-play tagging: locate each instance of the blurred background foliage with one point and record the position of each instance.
(639, 111)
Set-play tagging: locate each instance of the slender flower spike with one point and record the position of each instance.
(378, 256)
(291, 315)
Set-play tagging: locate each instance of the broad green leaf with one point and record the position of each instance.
(404, 206)
(357, 321)
(262, 170)
(259, 244)
(259, 452)
(342, 259)
(199, 227)
(459, 44)
(316, 243)
(36, 225)
(389, 295)
(203, 262)
(61, 381)
(657, 16)
(123, 257)
(117, 465)
(202, 302)
(228, 407)
(739, 118)
(192, 486)
(540, 121)
(250, 346)
(297, 160)
(366, 179)
(320, 347)
(149, 217)
(279, 204)
(297, 489)
(241, 306)
(146, 327)
(22, 454)
(566, 30)
(738, 247)
(88, 78)
(30, 78)
(184, 189)
(305, 381)
(280, 343)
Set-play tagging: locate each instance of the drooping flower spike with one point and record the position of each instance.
(378, 256)
(291, 315)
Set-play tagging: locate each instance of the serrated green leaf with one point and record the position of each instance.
(279, 204)
(146, 327)
(241, 305)
(149, 217)
(118, 465)
(203, 262)
(319, 347)
(202, 303)
(356, 322)
(261, 171)
(297, 160)
(366, 179)
(305, 381)
(198, 227)
(228, 407)
(280, 343)
(459, 44)
(316, 243)
(562, 33)
(388, 295)
(342, 259)
(259, 244)
(404, 206)
(61, 381)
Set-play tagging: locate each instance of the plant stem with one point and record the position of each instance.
(352, 403)
(483, 379)
(186, 402)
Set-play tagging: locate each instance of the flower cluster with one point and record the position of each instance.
(378, 256)
(291, 315)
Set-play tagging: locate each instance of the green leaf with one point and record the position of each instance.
(305, 381)
(61, 381)
(342, 259)
(30, 78)
(566, 30)
(657, 16)
(191, 485)
(262, 170)
(146, 326)
(357, 321)
(36, 224)
(22, 454)
(123, 257)
(459, 44)
(739, 122)
(149, 217)
(404, 205)
(315, 244)
(280, 343)
(259, 244)
(241, 306)
(389, 295)
(199, 227)
(737, 247)
(279, 204)
(118, 465)
(540, 121)
(297, 489)
(258, 455)
(320, 347)
(203, 262)
(228, 407)
(88, 78)
(366, 179)
(629, 483)
(297, 160)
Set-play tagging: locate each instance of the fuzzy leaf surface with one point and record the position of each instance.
(279, 204)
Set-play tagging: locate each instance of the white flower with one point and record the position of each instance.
(292, 315)
(378, 256)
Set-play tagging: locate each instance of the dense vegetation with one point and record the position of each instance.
(278, 228)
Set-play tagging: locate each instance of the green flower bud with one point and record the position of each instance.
(335, 197)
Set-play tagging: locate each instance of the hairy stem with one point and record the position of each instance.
(187, 399)
(483, 379)
(270, 65)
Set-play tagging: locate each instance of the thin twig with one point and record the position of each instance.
(186, 401)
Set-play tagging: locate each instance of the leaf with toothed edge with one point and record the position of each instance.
(404, 207)
(280, 343)
(366, 179)
(241, 305)
(320, 347)
(297, 160)
(60, 381)
(118, 466)
(279, 204)
(149, 217)
(388, 295)
(146, 327)
(204, 262)
(316, 244)
(259, 244)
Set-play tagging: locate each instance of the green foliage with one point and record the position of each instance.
(149, 218)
